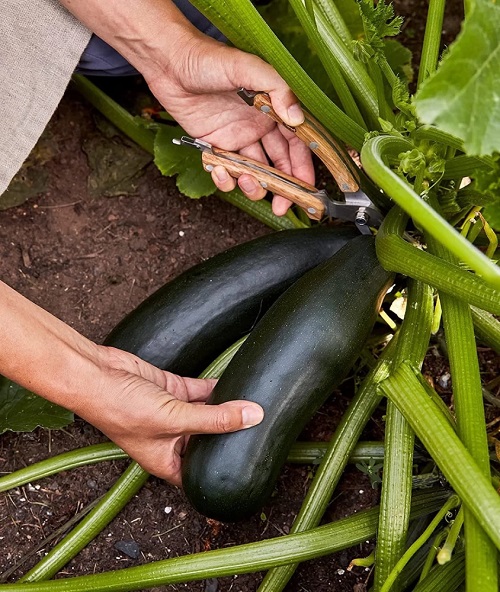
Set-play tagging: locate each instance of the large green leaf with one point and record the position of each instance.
(463, 96)
(23, 411)
(171, 159)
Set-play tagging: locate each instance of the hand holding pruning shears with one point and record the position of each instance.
(356, 206)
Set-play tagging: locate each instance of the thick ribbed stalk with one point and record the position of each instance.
(329, 62)
(333, 16)
(395, 254)
(62, 462)
(247, 558)
(255, 35)
(354, 71)
(487, 328)
(373, 156)
(480, 552)
(300, 453)
(98, 518)
(457, 465)
(432, 40)
(399, 441)
(118, 116)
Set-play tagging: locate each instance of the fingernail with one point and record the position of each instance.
(221, 174)
(252, 415)
(295, 114)
(248, 185)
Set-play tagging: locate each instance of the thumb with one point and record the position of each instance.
(258, 75)
(188, 418)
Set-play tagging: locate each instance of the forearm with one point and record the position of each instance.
(43, 354)
(148, 33)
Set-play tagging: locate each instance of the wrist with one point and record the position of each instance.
(150, 34)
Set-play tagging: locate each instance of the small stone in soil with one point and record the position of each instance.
(211, 585)
(129, 548)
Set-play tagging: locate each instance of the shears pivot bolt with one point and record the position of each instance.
(361, 218)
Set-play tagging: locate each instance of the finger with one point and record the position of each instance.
(222, 179)
(248, 183)
(280, 205)
(185, 418)
(301, 160)
(199, 389)
(188, 389)
(277, 148)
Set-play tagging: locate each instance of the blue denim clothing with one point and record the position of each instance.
(100, 59)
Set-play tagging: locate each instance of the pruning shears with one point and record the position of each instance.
(357, 207)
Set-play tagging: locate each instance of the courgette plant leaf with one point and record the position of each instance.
(463, 96)
(23, 411)
(171, 159)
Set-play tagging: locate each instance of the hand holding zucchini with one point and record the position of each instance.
(292, 361)
(189, 321)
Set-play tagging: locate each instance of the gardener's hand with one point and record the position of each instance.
(144, 410)
(199, 91)
(149, 413)
(196, 79)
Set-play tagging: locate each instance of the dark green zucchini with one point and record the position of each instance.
(188, 322)
(293, 359)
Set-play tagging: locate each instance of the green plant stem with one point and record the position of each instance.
(480, 552)
(329, 62)
(431, 555)
(444, 578)
(396, 489)
(242, 24)
(98, 518)
(373, 156)
(335, 20)
(453, 502)
(246, 558)
(354, 72)
(62, 462)
(395, 254)
(487, 328)
(118, 116)
(446, 550)
(300, 453)
(261, 210)
(457, 465)
(432, 40)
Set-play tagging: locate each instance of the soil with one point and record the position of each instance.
(89, 258)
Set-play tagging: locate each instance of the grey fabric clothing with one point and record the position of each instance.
(40, 46)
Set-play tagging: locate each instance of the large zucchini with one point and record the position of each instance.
(189, 321)
(291, 362)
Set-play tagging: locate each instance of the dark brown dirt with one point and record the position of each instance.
(89, 260)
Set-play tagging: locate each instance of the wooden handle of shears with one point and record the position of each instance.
(312, 133)
(300, 193)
